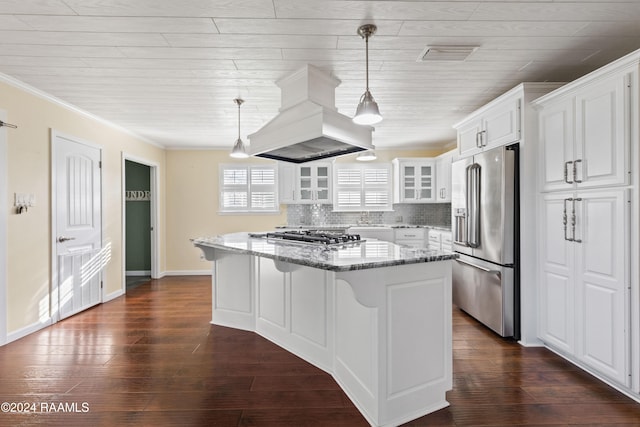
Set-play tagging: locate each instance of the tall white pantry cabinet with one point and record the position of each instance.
(588, 223)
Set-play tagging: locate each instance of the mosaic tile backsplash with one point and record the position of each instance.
(434, 214)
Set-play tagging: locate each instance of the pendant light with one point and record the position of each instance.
(366, 156)
(367, 112)
(239, 150)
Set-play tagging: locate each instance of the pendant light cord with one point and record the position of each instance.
(366, 42)
(239, 102)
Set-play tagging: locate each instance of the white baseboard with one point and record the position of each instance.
(23, 332)
(187, 273)
(138, 273)
(536, 343)
(113, 295)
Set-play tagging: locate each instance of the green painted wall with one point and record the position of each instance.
(138, 217)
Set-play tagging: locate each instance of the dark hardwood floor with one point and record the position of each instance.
(151, 358)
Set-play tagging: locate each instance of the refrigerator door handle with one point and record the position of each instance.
(473, 205)
(479, 267)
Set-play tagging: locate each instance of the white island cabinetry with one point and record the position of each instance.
(376, 316)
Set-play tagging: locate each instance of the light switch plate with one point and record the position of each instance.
(24, 199)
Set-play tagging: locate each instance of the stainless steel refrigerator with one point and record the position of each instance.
(484, 206)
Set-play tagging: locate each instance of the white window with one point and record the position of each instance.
(362, 187)
(248, 188)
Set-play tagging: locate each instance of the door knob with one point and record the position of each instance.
(64, 239)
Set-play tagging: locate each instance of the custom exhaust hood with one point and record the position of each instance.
(309, 126)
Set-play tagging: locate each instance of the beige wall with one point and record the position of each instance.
(29, 171)
(192, 206)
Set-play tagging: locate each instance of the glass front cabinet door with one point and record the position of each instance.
(314, 183)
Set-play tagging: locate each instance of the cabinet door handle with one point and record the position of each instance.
(478, 142)
(483, 139)
(566, 172)
(575, 171)
(565, 219)
(573, 219)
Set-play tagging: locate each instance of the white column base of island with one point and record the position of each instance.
(383, 333)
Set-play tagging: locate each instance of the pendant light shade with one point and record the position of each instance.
(239, 150)
(366, 156)
(367, 112)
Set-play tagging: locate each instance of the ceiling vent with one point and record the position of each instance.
(446, 53)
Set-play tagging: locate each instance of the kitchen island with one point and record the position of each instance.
(375, 315)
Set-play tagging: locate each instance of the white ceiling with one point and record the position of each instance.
(168, 70)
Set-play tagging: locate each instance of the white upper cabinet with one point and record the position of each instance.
(601, 142)
(497, 125)
(443, 176)
(314, 183)
(582, 136)
(305, 183)
(414, 180)
(287, 176)
(556, 142)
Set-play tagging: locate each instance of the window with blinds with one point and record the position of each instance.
(245, 188)
(362, 187)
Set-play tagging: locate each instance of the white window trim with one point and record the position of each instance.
(222, 210)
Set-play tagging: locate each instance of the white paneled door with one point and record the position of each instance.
(79, 253)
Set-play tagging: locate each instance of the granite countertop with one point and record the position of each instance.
(368, 254)
(345, 226)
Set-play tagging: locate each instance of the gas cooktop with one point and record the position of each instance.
(311, 237)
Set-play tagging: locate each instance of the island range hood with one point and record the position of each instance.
(309, 126)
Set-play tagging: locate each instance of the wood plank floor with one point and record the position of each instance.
(151, 358)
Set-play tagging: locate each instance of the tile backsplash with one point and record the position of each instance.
(435, 214)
